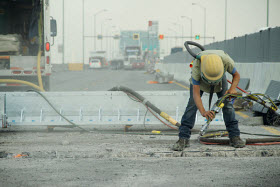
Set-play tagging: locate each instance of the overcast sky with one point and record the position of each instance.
(244, 16)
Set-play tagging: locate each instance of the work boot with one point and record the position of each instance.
(181, 144)
(236, 142)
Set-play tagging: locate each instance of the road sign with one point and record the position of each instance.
(197, 37)
(135, 36)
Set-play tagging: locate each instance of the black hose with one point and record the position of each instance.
(146, 103)
(248, 141)
(72, 123)
(138, 96)
(187, 43)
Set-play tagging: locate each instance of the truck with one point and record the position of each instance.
(27, 33)
(176, 50)
(98, 56)
(131, 55)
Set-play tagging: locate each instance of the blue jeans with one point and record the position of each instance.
(188, 118)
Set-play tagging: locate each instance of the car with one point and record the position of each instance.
(138, 64)
(116, 64)
(95, 63)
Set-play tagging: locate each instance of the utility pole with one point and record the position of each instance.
(204, 18)
(225, 19)
(104, 10)
(190, 22)
(83, 47)
(267, 12)
(63, 44)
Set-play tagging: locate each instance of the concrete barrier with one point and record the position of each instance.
(260, 74)
(76, 67)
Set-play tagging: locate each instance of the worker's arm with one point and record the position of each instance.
(199, 105)
(235, 81)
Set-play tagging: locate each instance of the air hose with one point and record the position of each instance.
(206, 139)
(39, 75)
(146, 103)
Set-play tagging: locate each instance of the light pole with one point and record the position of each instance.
(106, 20)
(267, 13)
(170, 29)
(110, 47)
(182, 27)
(225, 19)
(191, 24)
(104, 10)
(204, 18)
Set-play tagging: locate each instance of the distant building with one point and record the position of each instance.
(148, 40)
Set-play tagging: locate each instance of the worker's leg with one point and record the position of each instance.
(228, 113)
(188, 118)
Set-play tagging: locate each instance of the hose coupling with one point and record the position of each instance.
(216, 108)
(204, 128)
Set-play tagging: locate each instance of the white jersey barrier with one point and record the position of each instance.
(260, 74)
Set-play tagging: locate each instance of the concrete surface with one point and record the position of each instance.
(67, 157)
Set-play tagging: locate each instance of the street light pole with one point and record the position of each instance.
(109, 19)
(170, 29)
(190, 22)
(267, 12)
(204, 18)
(225, 19)
(104, 10)
(182, 30)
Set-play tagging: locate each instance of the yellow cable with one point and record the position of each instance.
(39, 75)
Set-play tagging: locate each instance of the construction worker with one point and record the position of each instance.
(208, 75)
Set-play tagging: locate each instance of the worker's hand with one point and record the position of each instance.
(209, 114)
(231, 91)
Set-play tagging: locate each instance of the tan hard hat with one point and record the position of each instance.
(212, 68)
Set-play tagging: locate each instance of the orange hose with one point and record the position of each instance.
(239, 88)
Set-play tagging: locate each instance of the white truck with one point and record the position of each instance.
(100, 56)
(26, 35)
(131, 54)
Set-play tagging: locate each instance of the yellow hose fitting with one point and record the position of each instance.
(168, 118)
(221, 105)
(156, 132)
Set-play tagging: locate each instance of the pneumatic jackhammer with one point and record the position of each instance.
(216, 108)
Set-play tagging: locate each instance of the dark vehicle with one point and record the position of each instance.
(176, 50)
(137, 64)
(130, 53)
(117, 64)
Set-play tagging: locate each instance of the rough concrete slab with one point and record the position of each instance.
(67, 157)
(119, 144)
